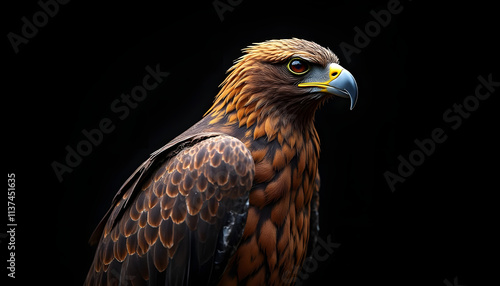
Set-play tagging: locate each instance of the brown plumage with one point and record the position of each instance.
(234, 199)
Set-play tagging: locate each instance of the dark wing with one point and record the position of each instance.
(177, 220)
(314, 220)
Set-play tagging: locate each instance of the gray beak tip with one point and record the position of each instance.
(348, 84)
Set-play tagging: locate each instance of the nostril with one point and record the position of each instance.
(335, 73)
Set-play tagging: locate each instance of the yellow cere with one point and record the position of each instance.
(335, 71)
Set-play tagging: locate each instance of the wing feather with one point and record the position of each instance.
(314, 219)
(180, 219)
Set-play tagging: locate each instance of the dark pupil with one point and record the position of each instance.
(298, 66)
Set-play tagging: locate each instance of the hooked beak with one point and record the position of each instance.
(339, 82)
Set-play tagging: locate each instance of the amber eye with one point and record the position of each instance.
(298, 66)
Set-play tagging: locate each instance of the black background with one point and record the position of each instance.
(437, 228)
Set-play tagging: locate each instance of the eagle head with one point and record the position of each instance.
(287, 78)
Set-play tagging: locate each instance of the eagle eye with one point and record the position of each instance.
(298, 66)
